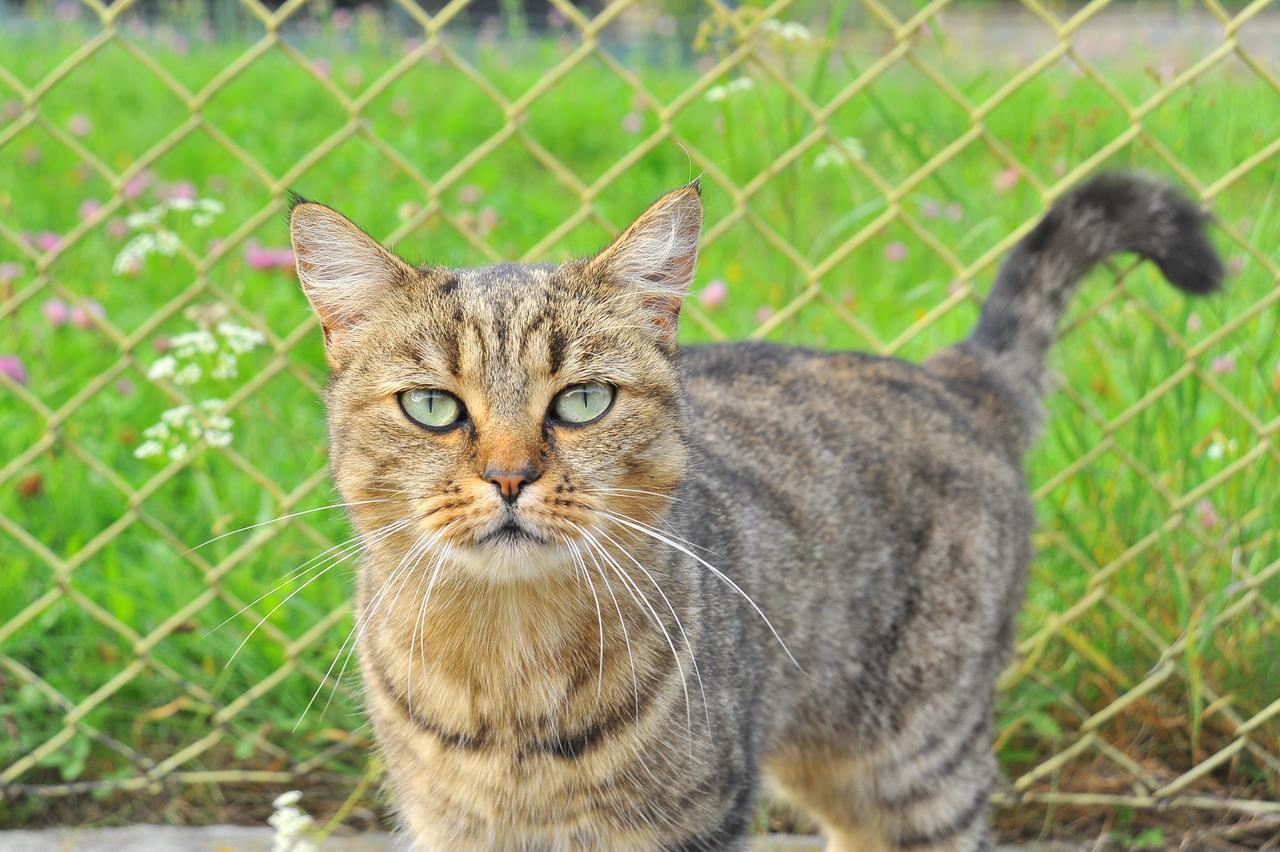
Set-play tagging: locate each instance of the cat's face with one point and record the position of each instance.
(497, 418)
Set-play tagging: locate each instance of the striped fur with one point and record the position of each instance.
(761, 564)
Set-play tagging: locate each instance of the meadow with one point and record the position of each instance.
(1150, 632)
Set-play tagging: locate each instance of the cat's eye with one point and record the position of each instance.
(433, 409)
(582, 403)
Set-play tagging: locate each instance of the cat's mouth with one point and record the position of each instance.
(510, 532)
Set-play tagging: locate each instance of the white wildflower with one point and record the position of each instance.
(211, 206)
(133, 254)
(290, 824)
(166, 242)
(183, 204)
(177, 451)
(836, 156)
(739, 84)
(147, 449)
(225, 368)
(175, 417)
(201, 220)
(240, 338)
(157, 431)
(188, 375)
(787, 30)
(288, 799)
(163, 368)
(216, 438)
(1215, 450)
(146, 219)
(199, 341)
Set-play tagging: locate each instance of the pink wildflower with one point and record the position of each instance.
(89, 207)
(9, 271)
(79, 125)
(268, 258)
(487, 220)
(117, 228)
(125, 387)
(895, 252)
(11, 366)
(1005, 180)
(714, 294)
(954, 211)
(470, 194)
(183, 189)
(82, 314)
(764, 314)
(322, 67)
(137, 185)
(1223, 364)
(1207, 514)
(56, 312)
(633, 122)
(930, 209)
(1193, 323)
(45, 240)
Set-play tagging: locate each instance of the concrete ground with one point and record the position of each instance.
(234, 838)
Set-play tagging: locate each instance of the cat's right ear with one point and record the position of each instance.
(343, 270)
(653, 259)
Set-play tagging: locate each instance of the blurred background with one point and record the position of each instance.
(865, 165)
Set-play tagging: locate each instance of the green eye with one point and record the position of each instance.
(582, 403)
(431, 408)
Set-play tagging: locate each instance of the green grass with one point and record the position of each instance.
(118, 592)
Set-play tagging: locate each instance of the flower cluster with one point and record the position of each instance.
(155, 237)
(218, 351)
(790, 31)
(739, 84)
(291, 824)
(837, 156)
(180, 427)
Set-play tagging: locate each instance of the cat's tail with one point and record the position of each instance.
(1106, 215)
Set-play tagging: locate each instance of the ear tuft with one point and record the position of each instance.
(654, 258)
(343, 270)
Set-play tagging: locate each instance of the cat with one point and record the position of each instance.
(612, 587)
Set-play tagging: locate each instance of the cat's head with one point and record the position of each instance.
(502, 413)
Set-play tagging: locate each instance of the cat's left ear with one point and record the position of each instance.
(343, 270)
(654, 258)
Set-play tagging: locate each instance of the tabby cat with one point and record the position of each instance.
(611, 586)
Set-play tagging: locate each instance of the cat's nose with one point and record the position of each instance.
(509, 482)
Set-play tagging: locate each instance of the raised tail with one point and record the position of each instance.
(1106, 215)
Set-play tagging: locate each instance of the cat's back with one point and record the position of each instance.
(809, 411)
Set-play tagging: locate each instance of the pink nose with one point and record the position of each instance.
(510, 482)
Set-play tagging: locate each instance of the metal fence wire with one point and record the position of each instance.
(1144, 675)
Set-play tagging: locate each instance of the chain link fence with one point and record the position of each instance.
(866, 166)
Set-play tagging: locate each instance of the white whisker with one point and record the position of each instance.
(657, 536)
(295, 515)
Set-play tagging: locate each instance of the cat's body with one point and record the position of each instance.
(757, 564)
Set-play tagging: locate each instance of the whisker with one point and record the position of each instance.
(354, 542)
(401, 568)
(294, 515)
(599, 619)
(320, 573)
(679, 625)
(417, 630)
(657, 536)
(622, 622)
(630, 585)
